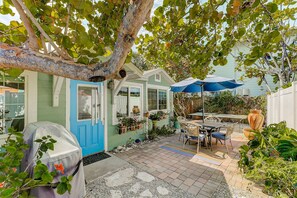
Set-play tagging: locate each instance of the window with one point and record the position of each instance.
(162, 99)
(84, 98)
(157, 99)
(122, 102)
(128, 102)
(158, 77)
(152, 99)
(12, 107)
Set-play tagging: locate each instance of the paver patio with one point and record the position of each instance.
(199, 175)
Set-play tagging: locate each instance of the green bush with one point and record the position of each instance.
(227, 103)
(270, 159)
(163, 131)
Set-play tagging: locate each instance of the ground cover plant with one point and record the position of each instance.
(270, 160)
(160, 131)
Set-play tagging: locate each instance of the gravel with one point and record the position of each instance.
(135, 188)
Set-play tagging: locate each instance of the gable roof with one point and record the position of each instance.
(147, 74)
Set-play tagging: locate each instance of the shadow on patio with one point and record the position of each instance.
(206, 174)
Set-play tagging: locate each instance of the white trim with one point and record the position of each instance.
(67, 81)
(149, 73)
(57, 86)
(31, 96)
(164, 88)
(104, 119)
(129, 84)
(160, 77)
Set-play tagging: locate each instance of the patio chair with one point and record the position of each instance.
(180, 120)
(224, 136)
(212, 119)
(194, 133)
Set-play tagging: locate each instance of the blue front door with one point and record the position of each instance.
(86, 115)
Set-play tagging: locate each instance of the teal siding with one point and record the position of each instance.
(45, 110)
(164, 82)
(114, 138)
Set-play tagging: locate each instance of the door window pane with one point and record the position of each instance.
(122, 102)
(84, 98)
(162, 99)
(152, 99)
(135, 101)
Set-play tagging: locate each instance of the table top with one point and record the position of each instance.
(207, 124)
(232, 116)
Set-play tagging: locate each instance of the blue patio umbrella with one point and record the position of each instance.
(211, 83)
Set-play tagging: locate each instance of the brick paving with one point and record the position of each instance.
(198, 177)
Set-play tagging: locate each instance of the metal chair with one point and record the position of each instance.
(180, 120)
(195, 134)
(224, 136)
(212, 119)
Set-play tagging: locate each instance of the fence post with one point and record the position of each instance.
(294, 105)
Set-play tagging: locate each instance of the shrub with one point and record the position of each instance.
(163, 131)
(15, 183)
(270, 159)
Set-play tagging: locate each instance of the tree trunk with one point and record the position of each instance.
(138, 13)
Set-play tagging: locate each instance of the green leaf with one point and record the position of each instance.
(62, 188)
(259, 27)
(272, 7)
(47, 177)
(10, 149)
(7, 192)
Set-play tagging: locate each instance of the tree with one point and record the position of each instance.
(188, 38)
(270, 36)
(183, 36)
(78, 31)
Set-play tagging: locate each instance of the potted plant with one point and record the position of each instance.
(139, 123)
(154, 117)
(174, 122)
(123, 125)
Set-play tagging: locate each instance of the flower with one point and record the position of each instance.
(14, 169)
(2, 184)
(60, 167)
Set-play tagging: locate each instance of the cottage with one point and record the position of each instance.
(93, 112)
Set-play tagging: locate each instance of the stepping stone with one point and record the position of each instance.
(162, 190)
(119, 178)
(116, 194)
(145, 176)
(135, 188)
(146, 193)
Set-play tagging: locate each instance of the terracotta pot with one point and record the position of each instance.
(256, 119)
(135, 110)
(122, 129)
(249, 134)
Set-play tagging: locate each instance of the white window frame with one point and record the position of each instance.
(163, 88)
(158, 79)
(115, 120)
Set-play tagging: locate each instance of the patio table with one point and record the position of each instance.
(210, 128)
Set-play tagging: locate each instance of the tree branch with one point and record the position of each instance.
(137, 13)
(62, 53)
(33, 43)
(15, 57)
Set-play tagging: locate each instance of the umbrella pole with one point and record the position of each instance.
(202, 97)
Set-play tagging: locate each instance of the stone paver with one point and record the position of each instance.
(105, 186)
(198, 177)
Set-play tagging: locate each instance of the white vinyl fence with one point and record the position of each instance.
(282, 106)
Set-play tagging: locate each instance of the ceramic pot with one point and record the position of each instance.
(256, 119)
(249, 134)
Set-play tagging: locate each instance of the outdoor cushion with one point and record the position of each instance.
(219, 135)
